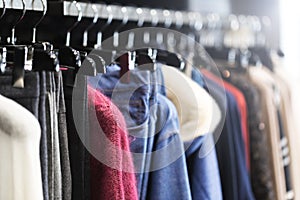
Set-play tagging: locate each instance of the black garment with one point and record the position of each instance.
(50, 140)
(43, 144)
(285, 155)
(27, 96)
(260, 155)
(63, 139)
(31, 97)
(78, 154)
(230, 151)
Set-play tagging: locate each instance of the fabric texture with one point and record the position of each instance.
(291, 98)
(169, 176)
(30, 97)
(193, 103)
(203, 168)
(43, 144)
(203, 171)
(63, 139)
(264, 82)
(20, 170)
(78, 154)
(134, 99)
(50, 138)
(118, 180)
(229, 146)
(54, 166)
(138, 100)
(56, 146)
(290, 128)
(260, 153)
(241, 102)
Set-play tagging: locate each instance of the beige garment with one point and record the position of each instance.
(264, 82)
(217, 115)
(198, 112)
(20, 170)
(288, 122)
(292, 134)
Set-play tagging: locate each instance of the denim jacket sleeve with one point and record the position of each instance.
(169, 177)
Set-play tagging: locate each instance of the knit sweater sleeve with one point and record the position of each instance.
(114, 178)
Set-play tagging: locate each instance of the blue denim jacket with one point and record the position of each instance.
(203, 168)
(170, 181)
(202, 161)
(152, 124)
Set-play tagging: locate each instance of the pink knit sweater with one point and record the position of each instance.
(112, 169)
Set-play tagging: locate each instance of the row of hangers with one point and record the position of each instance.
(168, 47)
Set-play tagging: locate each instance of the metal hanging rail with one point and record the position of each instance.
(18, 4)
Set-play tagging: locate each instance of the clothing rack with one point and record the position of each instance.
(126, 17)
(35, 5)
(138, 14)
(163, 16)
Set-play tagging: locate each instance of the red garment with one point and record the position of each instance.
(242, 106)
(112, 169)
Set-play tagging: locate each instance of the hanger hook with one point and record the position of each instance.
(13, 30)
(154, 17)
(140, 23)
(108, 22)
(125, 19)
(39, 21)
(95, 19)
(4, 9)
(154, 22)
(141, 18)
(168, 19)
(124, 22)
(179, 20)
(79, 17)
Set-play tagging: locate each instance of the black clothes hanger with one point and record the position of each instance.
(170, 59)
(69, 57)
(73, 60)
(40, 53)
(145, 59)
(99, 55)
(124, 58)
(16, 55)
(238, 59)
(167, 57)
(223, 53)
(107, 55)
(44, 58)
(264, 55)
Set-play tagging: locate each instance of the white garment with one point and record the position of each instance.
(20, 170)
(198, 113)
